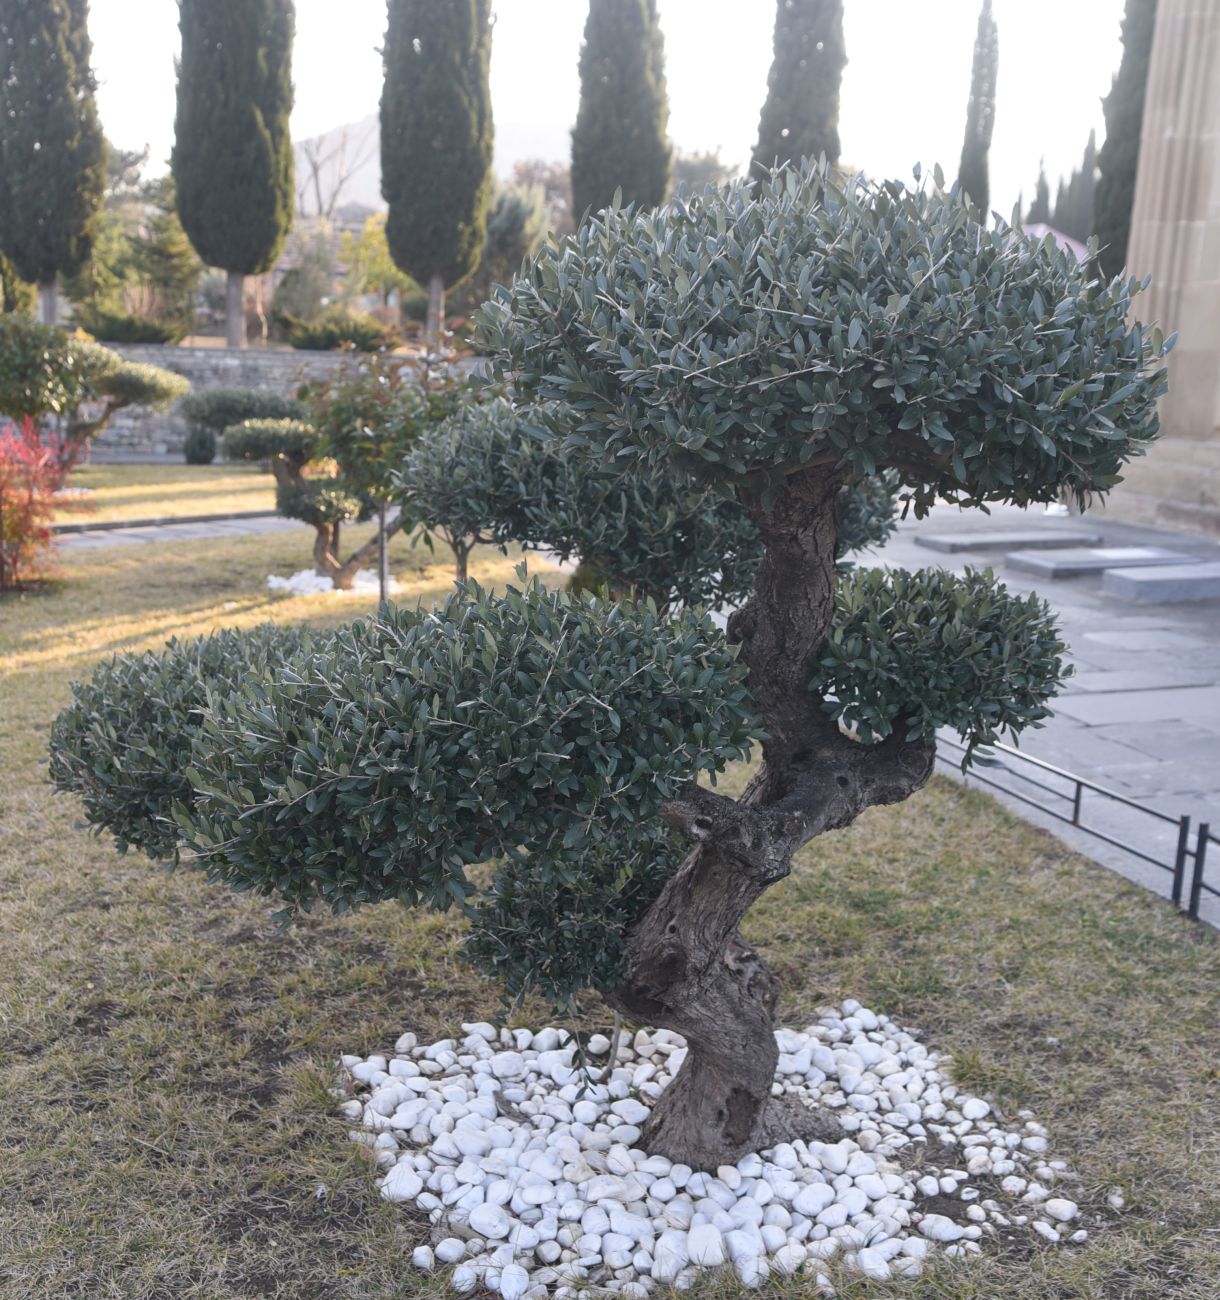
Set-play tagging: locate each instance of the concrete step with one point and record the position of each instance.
(1162, 586)
(997, 540)
(1074, 562)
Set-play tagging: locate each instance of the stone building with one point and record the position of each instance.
(1175, 238)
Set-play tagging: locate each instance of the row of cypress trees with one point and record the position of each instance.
(233, 160)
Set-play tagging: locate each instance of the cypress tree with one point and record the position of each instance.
(1074, 201)
(1119, 155)
(1060, 212)
(232, 160)
(800, 118)
(619, 141)
(52, 153)
(436, 142)
(1040, 209)
(972, 174)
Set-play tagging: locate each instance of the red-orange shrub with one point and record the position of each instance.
(30, 474)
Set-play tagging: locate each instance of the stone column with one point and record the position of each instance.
(1175, 238)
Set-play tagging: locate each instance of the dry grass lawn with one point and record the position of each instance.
(166, 491)
(166, 1053)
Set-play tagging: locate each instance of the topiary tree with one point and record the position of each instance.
(800, 118)
(436, 142)
(972, 173)
(46, 374)
(52, 152)
(779, 344)
(232, 161)
(619, 142)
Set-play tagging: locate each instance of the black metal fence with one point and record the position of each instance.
(1189, 861)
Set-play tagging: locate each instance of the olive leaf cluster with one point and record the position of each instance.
(913, 652)
(852, 325)
(497, 473)
(553, 937)
(123, 744)
(218, 409)
(379, 761)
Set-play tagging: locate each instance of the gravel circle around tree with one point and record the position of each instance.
(526, 1161)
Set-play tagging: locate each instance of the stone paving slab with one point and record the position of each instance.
(1174, 582)
(1151, 638)
(1122, 651)
(1077, 561)
(1198, 704)
(178, 532)
(1133, 679)
(1000, 540)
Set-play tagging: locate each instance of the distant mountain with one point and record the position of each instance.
(343, 167)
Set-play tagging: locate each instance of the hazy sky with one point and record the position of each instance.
(904, 90)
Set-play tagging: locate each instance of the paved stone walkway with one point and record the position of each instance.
(94, 539)
(1141, 716)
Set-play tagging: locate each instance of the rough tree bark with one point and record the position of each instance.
(235, 310)
(327, 558)
(434, 325)
(461, 554)
(48, 303)
(687, 968)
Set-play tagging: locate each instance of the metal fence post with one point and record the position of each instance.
(1196, 882)
(1179, 861)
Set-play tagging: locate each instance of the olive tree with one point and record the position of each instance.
(776, 346)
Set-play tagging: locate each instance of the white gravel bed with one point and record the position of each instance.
(527, 1166)
(305, 582)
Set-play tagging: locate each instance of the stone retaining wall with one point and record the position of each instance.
(137, 431)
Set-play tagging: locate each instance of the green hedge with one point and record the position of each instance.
(295, 440)
(337, 328)
(218, 408)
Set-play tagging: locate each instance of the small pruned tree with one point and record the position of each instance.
(800, 117)
(436, 142)
(564, 737)
(619, 142)
(49, 376)
(232, 161)
(52, 152)
(334, 451)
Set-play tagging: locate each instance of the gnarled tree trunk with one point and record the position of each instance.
(326, 554)
(687, 967)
